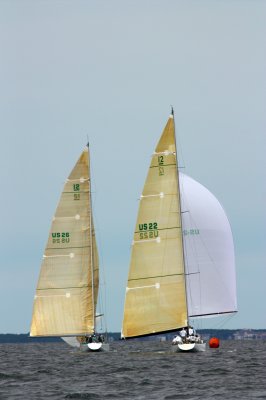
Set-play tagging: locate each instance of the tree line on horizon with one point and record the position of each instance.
(115, 336)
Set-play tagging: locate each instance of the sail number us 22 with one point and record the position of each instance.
(148, 230)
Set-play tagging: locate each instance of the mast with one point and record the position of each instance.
(91, 247)
(180, 210)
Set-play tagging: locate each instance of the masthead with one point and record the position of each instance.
(172, 110)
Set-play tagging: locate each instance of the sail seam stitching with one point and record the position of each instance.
(217, 313)
(163, 165)
(67, 287)
(160, 229)
(80, 191)
(63, 248)
(157, 276)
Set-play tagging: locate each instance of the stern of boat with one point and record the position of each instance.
(188, 347)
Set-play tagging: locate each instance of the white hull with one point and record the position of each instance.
(188, 347)
(94, 347)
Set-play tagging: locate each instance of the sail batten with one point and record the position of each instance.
(66, 294)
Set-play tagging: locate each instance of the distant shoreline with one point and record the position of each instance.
(224, 334)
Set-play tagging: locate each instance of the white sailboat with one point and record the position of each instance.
(67, 291)
(182, 257)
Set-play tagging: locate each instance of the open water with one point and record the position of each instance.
(133, 370)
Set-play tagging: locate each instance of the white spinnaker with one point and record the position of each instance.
(209, 251)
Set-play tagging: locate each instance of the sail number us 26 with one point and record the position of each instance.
(61, 237)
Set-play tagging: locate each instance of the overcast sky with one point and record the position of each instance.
(109, 70)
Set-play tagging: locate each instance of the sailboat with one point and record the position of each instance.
(182, 256)
(66, 296)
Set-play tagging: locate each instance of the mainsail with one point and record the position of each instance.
(66, 294)
(182, 262)
(155, 294)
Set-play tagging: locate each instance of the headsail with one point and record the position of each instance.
(155, 295)
(65, 300)
(209, 252)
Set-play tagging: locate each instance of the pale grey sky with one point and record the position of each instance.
(109, 70)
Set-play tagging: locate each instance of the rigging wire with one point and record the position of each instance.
(102, 282)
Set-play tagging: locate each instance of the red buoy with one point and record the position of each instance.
(214, 343)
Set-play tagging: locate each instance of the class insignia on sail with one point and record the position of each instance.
(182, 256)
(66, 295)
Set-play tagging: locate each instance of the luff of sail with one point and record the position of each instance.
(65, 300)
(155, 294)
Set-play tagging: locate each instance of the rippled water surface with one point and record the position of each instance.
(133, 370)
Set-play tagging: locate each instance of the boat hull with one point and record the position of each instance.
(189, 347)
(94, 347)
